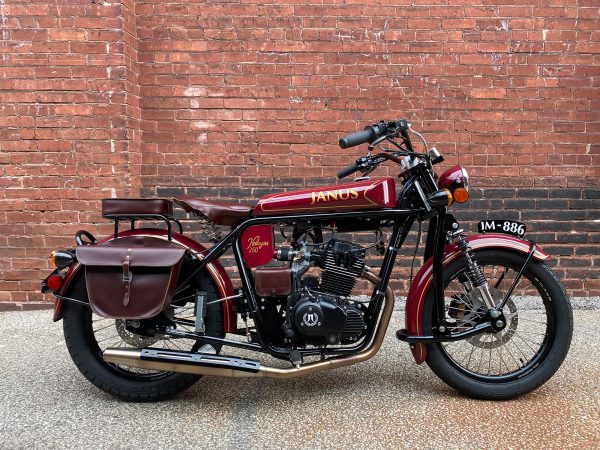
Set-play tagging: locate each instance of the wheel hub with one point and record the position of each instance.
(511, 319)
(469, 309)
(133, 339)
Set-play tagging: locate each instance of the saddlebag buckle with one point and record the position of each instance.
(127, 278)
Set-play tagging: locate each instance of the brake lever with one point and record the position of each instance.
(366, 173)
(378, 140)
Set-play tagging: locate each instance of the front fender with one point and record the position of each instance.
(424, 278)
(215, 270)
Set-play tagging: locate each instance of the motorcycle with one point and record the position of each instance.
(147, 311)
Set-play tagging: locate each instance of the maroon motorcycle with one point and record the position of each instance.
(147, 311)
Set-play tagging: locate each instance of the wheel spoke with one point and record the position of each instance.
(103, 328)
(470, 356)
(532, 333)
(499, 350)
(512, 356)
(112, 336)
(512, 341)
(490, 359)
(113, 343)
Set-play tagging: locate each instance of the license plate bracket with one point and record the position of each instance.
(505, 226)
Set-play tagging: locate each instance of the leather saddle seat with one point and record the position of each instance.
(230, 214)
(136, 207)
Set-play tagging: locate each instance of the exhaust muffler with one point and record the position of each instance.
(228, 366)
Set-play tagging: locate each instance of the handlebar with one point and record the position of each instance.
(360, 137)
(347, 171)
(367, 163)
(373, 132)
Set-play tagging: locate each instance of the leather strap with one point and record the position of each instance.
(127, 277)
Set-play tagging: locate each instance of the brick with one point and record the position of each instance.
(532, 193)
(66, 35)
(565, 193)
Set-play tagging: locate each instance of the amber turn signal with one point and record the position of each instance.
(62, 258)
(461, 195)
(443, 197)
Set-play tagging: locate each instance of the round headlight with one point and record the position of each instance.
(456, 180)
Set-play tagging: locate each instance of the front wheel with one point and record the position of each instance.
(521, 357)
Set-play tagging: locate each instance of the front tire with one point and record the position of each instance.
(524, 355)
(84, 346)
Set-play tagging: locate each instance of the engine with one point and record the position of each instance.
(321, 312)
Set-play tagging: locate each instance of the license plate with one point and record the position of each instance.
(502, 226)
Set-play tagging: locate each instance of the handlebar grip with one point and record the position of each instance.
(347, 171)
(360, 137)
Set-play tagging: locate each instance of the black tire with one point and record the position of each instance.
(554, 342)
(115, 380)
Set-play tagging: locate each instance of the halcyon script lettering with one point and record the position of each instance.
(255, 244)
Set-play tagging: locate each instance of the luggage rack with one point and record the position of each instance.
(131, 210)
(133, 218)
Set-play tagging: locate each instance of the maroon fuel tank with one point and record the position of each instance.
(368, 194)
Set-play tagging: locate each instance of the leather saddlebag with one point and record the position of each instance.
(132, 277)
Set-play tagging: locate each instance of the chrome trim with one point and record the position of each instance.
(465, 175)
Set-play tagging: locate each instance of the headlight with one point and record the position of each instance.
(456, 180)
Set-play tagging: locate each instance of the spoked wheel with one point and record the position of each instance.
(521, 357)
(88, 335)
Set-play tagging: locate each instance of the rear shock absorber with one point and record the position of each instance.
(475, 273)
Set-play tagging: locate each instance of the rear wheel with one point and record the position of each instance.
(521, 357)
(88, 335)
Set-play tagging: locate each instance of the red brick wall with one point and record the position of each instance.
(64, 140)
(231, 100)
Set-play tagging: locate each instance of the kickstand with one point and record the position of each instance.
(245, 319)
(296, 358)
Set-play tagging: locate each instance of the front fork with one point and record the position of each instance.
(476, 276)
(446, 229)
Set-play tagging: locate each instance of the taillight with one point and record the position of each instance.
(54, 282)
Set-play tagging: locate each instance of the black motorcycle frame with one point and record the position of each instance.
(411, 205)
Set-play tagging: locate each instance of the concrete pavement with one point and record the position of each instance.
(386, 402)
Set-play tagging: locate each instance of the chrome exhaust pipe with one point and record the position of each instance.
(184, 362)
(226, 366)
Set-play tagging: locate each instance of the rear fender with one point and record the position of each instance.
(424, 278)
(215, 270)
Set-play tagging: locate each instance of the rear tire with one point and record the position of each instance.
(556, 320)
(115, 380)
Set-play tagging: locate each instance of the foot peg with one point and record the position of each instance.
(485, 327)
(403, 335)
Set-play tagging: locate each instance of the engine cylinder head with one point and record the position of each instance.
(342, 263)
